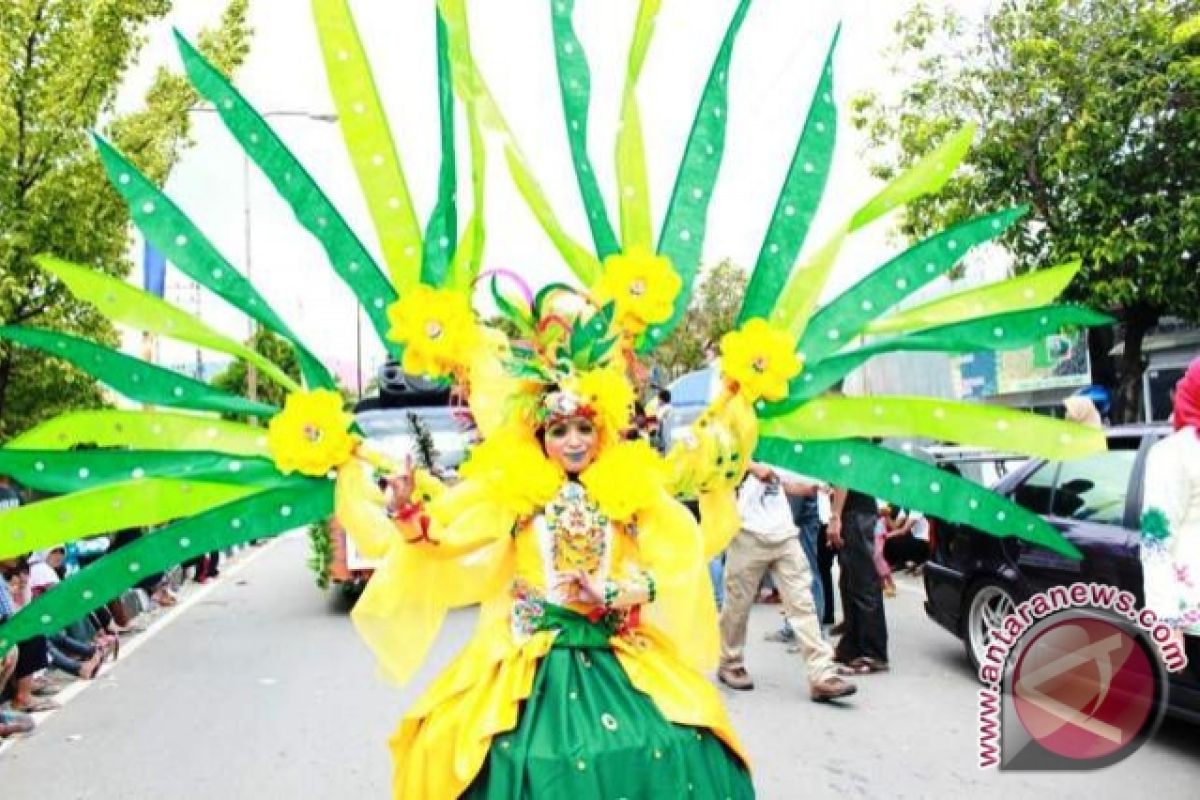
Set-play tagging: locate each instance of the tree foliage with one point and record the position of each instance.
(236, 377)
(713, 313)
(62, 63)
(1089, 111)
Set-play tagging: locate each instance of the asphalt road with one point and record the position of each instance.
(260, 689)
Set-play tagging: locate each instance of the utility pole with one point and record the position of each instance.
(251, 370)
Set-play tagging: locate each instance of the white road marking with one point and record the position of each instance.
(78, 687)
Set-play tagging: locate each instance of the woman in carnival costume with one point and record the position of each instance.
(595, 616)
(585, 675)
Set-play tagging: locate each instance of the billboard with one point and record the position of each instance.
(1060, 361)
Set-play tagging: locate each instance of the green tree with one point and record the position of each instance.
(1089, 111)
(236, 377)
(713, 313)
(61, 66)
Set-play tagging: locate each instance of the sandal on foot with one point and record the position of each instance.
(37, 706)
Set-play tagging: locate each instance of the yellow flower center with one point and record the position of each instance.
(433, 329)
(760, 364)
(313, 433)
(638, 287)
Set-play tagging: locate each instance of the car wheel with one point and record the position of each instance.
(988, 605)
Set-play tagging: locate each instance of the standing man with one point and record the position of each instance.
(807, 518)
(768, 543)
(862, 649)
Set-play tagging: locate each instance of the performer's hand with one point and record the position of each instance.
(402, 485)
(590, 589)
(833, 533)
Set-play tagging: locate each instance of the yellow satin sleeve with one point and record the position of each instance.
(671, 547)
(709, 461)
(405, 602)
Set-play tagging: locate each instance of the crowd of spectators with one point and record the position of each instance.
(37, 669)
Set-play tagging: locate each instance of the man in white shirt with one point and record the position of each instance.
(768, 542)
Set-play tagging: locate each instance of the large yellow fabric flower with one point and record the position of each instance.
(625, 479)
(311, 435)
(642, 285)
(606, 391)
(511, 467)
(437, 329)
(760, 359)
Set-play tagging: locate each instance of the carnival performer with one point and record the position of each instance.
(585, 676)
(582, 679)
(1170, 550)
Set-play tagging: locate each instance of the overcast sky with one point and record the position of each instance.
(775, 66)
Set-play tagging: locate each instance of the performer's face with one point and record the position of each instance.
(571, 443)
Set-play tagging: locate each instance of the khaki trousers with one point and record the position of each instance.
(746, 561)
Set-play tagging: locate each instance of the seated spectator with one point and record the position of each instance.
(907, 545)
(154, 585)
(64, 652)
(32, 656)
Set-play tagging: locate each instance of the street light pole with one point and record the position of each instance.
(251, 370)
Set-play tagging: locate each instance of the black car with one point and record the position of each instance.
(973, 580)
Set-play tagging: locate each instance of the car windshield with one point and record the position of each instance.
(391, 430)
(693, 389)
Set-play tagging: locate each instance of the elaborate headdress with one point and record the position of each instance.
(223, 482)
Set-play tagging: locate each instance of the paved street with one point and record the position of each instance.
(261, 689)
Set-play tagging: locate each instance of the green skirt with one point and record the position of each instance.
(586, 733)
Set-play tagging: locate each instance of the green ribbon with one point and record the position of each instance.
(124, 303)
(128, 504)
(183, 244)
(909, 483)
(369, 141)
(135, 379)
(143, 430)
(265, 514)
(1028, 291)
(575, 87)
(682, 236)
(349, 259)
(464, 269)
(474, 92)
(800, 294)
(840, 321)
(60, 472)
(798, 200)
(943, 420)
(1010, 331)
(682, 239)
(441, 233)
(637, 228)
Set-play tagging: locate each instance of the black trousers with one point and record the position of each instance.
(32, 656)
(825, 557)
(900, 550)
(862, 596)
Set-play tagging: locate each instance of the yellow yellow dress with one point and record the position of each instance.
(481, 548)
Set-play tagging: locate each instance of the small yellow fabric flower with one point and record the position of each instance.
(514, 471)
(311, 435)
(606, 391)
(760, 359)
(642, 285)
(626, 478)
(437, 329)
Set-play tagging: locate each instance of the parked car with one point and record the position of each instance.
(387, 421)
(973, 580)
(690, 395)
